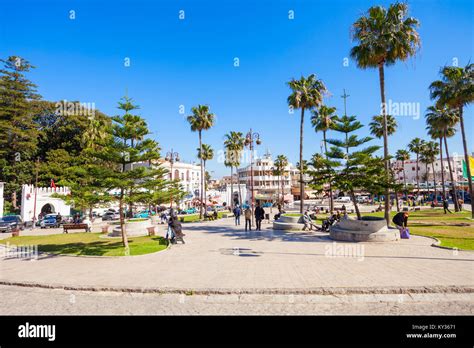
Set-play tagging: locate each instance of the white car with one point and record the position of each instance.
(344, 199)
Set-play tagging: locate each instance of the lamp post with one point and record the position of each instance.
(249, 140)
(171, 157)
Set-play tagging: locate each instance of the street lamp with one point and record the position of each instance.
(172, 157)
(249, 140)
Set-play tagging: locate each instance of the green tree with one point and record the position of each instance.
(359, 167)
(280, 163)
(403, 155)
(121, 175)
(428, 156)
(383, 37)
(18, 140)
(307, 93)
(416, 146)
(200, 120)
(323, 119)
(234, 145)
(456, 90)
(377, 125)
(205, 153)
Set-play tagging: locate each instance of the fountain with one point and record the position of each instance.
(286, 222)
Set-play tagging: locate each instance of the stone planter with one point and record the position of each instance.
(105, 229)
(16, 233)
(289, 223)
(151, 230)
(368, 229)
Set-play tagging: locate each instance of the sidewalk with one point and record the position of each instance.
(218, 256)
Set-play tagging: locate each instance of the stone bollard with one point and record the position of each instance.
(151, 230)
(105, 229)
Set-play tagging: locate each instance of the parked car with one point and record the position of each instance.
(11, 222)
(267, 204)
(344, 199)
(191, 211)
(50, 220)
(110, 216)
(142, 215)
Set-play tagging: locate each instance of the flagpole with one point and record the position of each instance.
(36, 190)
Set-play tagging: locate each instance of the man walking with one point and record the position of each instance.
(237, 214)
(248, 218)
(446, 206)
(259, 216)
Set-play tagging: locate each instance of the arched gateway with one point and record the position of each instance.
(45, 203)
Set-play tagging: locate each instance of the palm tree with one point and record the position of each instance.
(428, 156)
(377, 125)
(402, 156)
(200, 120)
(384, 37)
(416, 147)
(307, 93)
(280, 164)
(456, 90)
(441, 124)
(206, 153)
(234, 144)
(322, 120)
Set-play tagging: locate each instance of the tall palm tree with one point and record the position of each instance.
(416, 146)
(441, 123)
(280, 164)
(428, 156)
(201, 120)
(402, 156)
(456, 90)
(307, 93)
(384, 37)
(377, 125)
(206, 153)
(234, 144)
(323, 119)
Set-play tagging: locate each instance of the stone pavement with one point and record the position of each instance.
(218, 257)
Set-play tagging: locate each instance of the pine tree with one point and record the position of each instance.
(18, 139)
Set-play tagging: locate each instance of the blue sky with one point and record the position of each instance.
(188, 62)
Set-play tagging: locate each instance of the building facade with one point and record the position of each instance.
(267, 186)
(426, 173)
(40, 200)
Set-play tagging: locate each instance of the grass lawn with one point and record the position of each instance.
(292, 214)
(434, 223)
(90, 244)
(195, 217)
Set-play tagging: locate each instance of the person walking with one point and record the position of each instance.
(259, 216)
(446, 206)
(248, 218)
(237, 213)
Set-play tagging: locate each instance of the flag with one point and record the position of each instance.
(464, 167)
(53, 185)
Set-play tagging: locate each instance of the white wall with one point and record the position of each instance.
(43, 197)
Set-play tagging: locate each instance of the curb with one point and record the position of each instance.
(271, 291)
(437, 243)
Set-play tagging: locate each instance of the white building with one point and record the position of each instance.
(189, 175)
(45, 203)
(410, 171)
(267, 186)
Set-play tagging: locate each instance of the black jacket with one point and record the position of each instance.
(259, 213)
(400, 220)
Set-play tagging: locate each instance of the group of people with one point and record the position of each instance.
(259, 216)
(175, 231)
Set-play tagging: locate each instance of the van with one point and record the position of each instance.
(344, 199)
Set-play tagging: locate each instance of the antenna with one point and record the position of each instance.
(345, 96)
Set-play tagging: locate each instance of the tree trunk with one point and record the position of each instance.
(417, 176)
(466, 158)
(427, 177)
(283, 192)
(238, 185)
(232, 187)
(442, 165)
(301, 162)
(278, 189)
(122, 227)
(455, 192)
(404, 179)
(385, 142)
(356, 207)
(331, 199)
(201, 191)
(434, 181)
(205, 189)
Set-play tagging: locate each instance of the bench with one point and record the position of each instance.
(67, 227)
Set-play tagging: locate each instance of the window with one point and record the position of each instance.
(176, 174)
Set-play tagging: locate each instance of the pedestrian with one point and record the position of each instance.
(176, 227)
(446, 206)
(401, 222)
(248, 218)
(237, 214)
(259, 216)
(308, 223)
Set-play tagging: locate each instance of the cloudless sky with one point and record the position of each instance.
(188, 62)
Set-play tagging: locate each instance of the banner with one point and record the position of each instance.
(464, 167)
